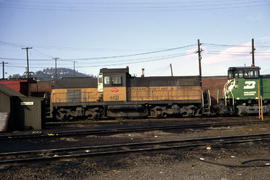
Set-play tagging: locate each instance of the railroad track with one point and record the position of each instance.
(179, 126)
(149, 120)
(75, 152)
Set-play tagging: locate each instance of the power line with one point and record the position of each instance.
(121, 63)
(135, 54)
(115, 56)
(129, 2)
(11, 44)
(136, 62)
(120, 56)
(132, 4)
(226, 45)
(228, 52)
(21, 59)
(142, 7)
(145, 58)
(232, 45)
(43, 54)
(236, 53)
(15, 45)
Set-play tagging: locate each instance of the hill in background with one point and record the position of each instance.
(49, 73)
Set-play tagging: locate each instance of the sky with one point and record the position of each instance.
(149, 34)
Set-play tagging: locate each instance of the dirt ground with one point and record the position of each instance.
(220, 162)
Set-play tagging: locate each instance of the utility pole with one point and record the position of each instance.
(253, 53)
(171, 70)
(55, 68)
(27, 69)
(74, 69)
(3, 69)
(200, 58)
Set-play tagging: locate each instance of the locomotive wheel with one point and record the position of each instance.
(92, 114)
(156, 113)
(240, 112)
(152, 113)
(70, 118)
(60, 116)
(165, 115)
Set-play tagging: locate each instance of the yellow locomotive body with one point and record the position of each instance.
(115, 93)
(164, 93)
(78, 95)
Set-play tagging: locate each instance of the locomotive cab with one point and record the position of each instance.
(242, 84)
(243, 88)
(243, 72)
(112, 83)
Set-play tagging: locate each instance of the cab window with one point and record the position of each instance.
(256, 74)
(100, 79)
(231, 75)
(116, 80)
(251, 74)
(240, 74)
(107, 80)
(247, 74)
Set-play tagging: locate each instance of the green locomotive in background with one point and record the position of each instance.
(244, 87)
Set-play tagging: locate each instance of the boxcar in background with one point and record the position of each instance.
(215, 86)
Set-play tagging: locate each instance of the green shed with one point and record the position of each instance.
(18, 112)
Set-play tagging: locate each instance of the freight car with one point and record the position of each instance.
(19, 85)
(37, 88)
(115, 93)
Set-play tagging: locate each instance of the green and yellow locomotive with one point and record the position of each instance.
(244, 87)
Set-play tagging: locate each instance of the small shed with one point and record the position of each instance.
(19, 112)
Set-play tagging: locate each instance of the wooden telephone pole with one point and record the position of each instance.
(55, 68)
(27, 70)
(3, 69)
(253, 53)
(200, 59)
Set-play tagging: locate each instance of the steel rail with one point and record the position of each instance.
(127, 130)
(142, 120)
(134, 147)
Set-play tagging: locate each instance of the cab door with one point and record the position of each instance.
(100, 83)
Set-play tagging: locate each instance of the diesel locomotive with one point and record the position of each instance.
(115, 93)
(244, 87)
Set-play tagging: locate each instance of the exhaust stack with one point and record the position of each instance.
(142, 72)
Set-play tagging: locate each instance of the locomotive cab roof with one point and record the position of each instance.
(114, 70)
(244, 72)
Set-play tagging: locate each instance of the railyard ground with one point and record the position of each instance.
(170, 164)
